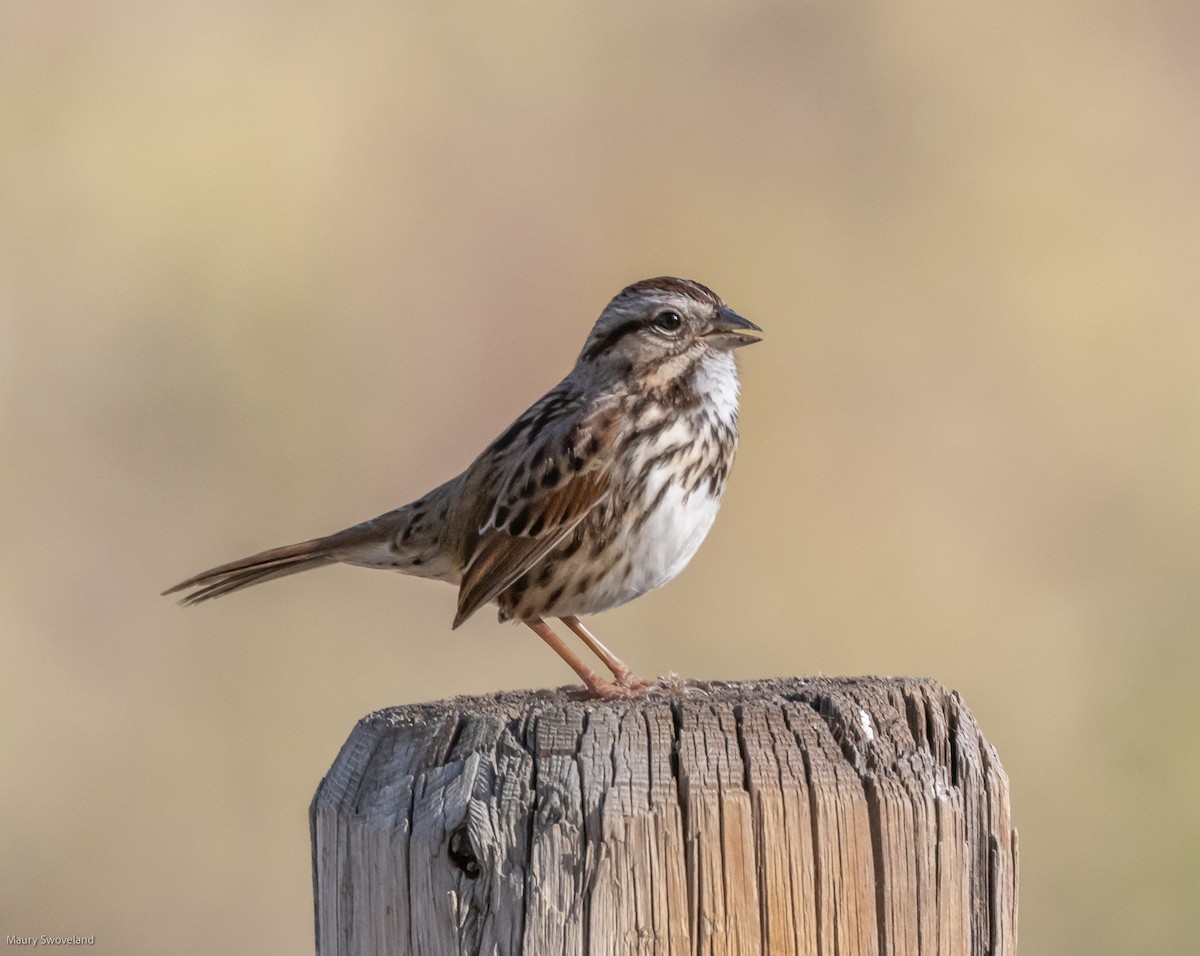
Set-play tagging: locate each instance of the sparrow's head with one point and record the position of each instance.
(665, 324)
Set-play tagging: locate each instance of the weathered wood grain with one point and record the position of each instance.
(853, 816)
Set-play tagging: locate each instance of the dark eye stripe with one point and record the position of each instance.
(613, 336)
(610, 338)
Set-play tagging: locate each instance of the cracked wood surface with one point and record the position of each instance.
(840, 817)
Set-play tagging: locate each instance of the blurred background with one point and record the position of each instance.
(268, 269)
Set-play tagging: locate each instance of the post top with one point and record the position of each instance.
(672, 690)
(856, 814)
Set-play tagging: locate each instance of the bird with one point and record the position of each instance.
(601, 491)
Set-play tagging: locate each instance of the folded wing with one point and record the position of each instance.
(542, 497)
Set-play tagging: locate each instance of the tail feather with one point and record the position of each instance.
(236, 580)
(407, 540)
(275, 563)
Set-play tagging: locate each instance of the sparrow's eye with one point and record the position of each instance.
(668, 322)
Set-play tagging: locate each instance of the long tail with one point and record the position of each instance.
(407, 539)
(268, 565)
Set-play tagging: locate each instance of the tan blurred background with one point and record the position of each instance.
(268, 269)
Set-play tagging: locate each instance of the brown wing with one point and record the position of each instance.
(544, 495)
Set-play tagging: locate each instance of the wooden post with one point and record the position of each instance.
(841, 817)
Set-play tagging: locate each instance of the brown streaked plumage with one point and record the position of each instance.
(599, 492)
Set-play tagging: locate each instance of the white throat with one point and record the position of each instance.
(717, 379)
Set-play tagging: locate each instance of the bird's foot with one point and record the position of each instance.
(624, 687)
(629, 681)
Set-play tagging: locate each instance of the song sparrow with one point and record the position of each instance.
(600, 492)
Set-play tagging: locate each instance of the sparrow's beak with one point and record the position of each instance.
(728, 330)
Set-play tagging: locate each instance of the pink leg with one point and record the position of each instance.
(621, 671)
(597, 686)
